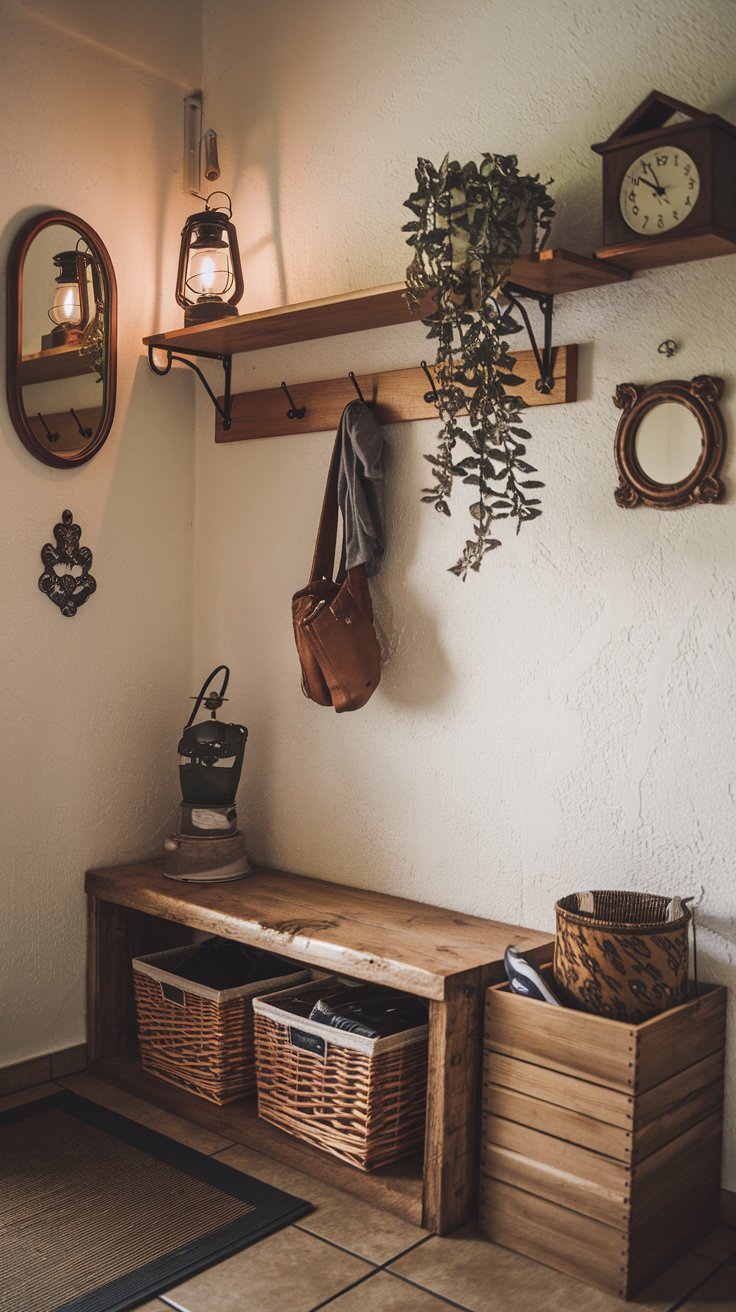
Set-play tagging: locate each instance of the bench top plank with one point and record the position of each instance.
(354, 931)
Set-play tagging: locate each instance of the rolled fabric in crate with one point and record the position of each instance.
(623, 955)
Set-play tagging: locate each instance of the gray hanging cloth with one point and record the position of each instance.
(360, 487)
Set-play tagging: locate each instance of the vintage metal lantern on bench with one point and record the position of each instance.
(209, 846)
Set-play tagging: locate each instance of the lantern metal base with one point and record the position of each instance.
(205, 860)
(208, 312)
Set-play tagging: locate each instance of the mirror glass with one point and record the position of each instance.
(668, 443)
(61, 354)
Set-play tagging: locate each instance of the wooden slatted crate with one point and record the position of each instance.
(601, 1142)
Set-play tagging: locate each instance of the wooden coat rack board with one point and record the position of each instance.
(398, 395)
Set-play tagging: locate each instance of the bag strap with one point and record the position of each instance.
(323, 561)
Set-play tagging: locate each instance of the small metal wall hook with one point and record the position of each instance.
(86, 433)
(356, 385)
(432, 396)
(296, 411)
(668, 347)
(51, 437)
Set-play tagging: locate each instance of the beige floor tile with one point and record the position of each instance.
(194, 1136)
(27, 1095)
(721, 1243)
(486, 1278)
(717, 1294)
(385, 1293)
(344, 1219)
(288, 1272)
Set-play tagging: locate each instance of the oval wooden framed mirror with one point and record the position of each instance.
(61, 367)
(670, 443)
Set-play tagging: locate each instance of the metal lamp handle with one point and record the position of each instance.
(205, 686)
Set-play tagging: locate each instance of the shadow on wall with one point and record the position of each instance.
(252, 158)
(416, 670)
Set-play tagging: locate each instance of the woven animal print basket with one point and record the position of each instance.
(361, 1099)
(623, 955)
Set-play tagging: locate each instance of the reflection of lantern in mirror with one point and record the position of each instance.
(210, 279)
(70, 309)
(209, 847)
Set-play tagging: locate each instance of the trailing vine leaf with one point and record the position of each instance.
(468, 228)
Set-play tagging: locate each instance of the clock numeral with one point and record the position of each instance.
(634, 209)
(645, 221)
(631, 195)
(676, 160)
(691, 184)
(660, 221)
(662, 160)
(687, 170)
(675, 215)
(688, 202)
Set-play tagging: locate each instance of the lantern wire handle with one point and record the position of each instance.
(215, 699)
(207, 200)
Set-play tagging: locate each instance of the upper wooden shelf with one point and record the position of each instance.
(554, 271)
(57, 362)
(371, 936)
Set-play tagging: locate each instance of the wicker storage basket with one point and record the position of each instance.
(618, 954)
(361, 1099)
(197, 1037)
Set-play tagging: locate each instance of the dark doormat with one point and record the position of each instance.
(98, 1213)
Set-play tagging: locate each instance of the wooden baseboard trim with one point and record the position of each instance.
(40, 1070)
(728, 1207)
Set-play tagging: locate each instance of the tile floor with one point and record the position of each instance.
(348, 1256)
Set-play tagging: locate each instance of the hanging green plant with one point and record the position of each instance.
(470, 222)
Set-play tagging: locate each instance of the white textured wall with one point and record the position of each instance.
(566, 719)
(90, 106)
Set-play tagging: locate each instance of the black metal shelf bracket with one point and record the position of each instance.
(546, 302)
(224, 410)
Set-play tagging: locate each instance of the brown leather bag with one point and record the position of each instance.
(333, 621)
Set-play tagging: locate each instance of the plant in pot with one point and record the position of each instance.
(469, 224)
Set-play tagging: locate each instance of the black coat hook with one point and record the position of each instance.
(356, 385)
(51, 437)
(86, 433)
(432, 396)
(296, 411)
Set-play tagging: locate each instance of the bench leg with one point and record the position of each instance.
(115, 935)
(451, 1155)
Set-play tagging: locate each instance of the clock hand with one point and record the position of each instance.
(647, 183)
(660, 191)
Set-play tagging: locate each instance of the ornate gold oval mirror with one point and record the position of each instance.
(61, 341)
(670, 443)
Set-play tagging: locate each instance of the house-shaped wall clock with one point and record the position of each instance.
(669, 186)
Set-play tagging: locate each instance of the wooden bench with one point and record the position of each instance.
(444, 956)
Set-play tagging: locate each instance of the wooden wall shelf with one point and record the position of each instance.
(671, 248)
(398, 395)
(57, 362)
(551, 272)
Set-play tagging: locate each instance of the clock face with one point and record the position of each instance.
(659, 189)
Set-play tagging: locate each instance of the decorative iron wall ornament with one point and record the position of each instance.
(670, 443)
(66, 579)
